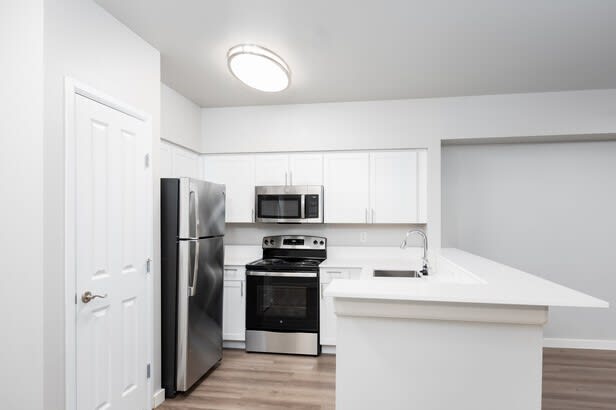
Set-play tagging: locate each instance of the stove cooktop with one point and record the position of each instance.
(272, 264)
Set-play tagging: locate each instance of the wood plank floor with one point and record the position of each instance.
(572, 380)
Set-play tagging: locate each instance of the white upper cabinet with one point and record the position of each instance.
(178, 162)
(347, 188)
(289, 169)
(272, 169)
(306, 169)
(237, 172)
(395, 187)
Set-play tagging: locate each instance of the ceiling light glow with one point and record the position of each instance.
(258, 67)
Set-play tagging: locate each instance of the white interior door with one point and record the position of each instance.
(112, 242)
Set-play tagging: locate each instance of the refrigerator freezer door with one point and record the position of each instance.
(200, 288)
(202, 209)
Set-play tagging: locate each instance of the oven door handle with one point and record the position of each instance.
(283, 274)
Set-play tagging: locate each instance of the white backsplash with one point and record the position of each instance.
(336, 234)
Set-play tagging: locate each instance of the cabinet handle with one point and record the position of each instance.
(285, 178)
(333, 271)
(242, 288)
(290, 177)
(322, 290)
(372, 215)
(366, 215)
(252, 215)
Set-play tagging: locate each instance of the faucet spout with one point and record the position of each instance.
(423, 236)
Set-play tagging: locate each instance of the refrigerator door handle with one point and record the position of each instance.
(192, 289)
(192, 190)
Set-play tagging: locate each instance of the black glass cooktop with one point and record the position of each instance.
(285, 264)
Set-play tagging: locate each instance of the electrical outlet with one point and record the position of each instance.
(363, 237)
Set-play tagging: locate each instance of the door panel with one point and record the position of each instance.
(306, 169)
(111, 252)
(272, 169)
(347, 187)
(237, 172)
(234, 323)
(393, 187)
(202, 209)
(199, 308)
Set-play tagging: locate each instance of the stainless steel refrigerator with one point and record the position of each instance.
(192, 259)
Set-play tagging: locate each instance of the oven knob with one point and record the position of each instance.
(315, 242)
(322, 243)
(266, 241)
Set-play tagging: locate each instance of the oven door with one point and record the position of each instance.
(283, 302)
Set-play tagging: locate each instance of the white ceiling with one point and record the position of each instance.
(352, 50)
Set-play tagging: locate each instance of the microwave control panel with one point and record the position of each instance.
(311, 206)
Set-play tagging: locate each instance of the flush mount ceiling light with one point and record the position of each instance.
(258, 67)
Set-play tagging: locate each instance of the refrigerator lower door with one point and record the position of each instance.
(200, 289)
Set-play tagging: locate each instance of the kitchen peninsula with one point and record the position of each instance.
(468, 337)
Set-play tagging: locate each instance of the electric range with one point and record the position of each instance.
(282, 295)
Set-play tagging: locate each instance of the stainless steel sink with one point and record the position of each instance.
(380, 273)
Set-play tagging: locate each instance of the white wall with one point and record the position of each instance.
(85, 42)
(405, 123)
(547, 209)
(180, 119)
(21, 207)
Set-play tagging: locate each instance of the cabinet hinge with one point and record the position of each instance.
(147, 160)
(148, 370)
(148, 265)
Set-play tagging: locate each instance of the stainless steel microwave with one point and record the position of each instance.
(289, 204)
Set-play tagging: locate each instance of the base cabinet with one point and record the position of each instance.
(234, 305)
(327, 318)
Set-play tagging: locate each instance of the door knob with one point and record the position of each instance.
(88, 296)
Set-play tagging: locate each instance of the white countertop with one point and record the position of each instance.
(456, 277)
(461, 277)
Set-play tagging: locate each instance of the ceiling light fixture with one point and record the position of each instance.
(258, 67)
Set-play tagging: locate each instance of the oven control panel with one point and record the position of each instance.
(294, 242)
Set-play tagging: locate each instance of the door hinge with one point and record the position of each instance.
(148, 370)
(148, 265)
(147, 160)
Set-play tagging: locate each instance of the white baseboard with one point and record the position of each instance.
(158, 398)
(230, 344)
(597, 344)
(328, 349)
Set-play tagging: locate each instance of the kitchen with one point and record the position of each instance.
(495, 148)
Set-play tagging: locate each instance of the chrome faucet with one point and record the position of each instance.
(424, 270)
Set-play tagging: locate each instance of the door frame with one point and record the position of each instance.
(73, 88)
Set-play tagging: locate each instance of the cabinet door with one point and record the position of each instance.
(327, 319)
(394, 187)
(237, 173)
(306, 169)
(233, 320)
(272, 169)
(185, 163)
(347, 187)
